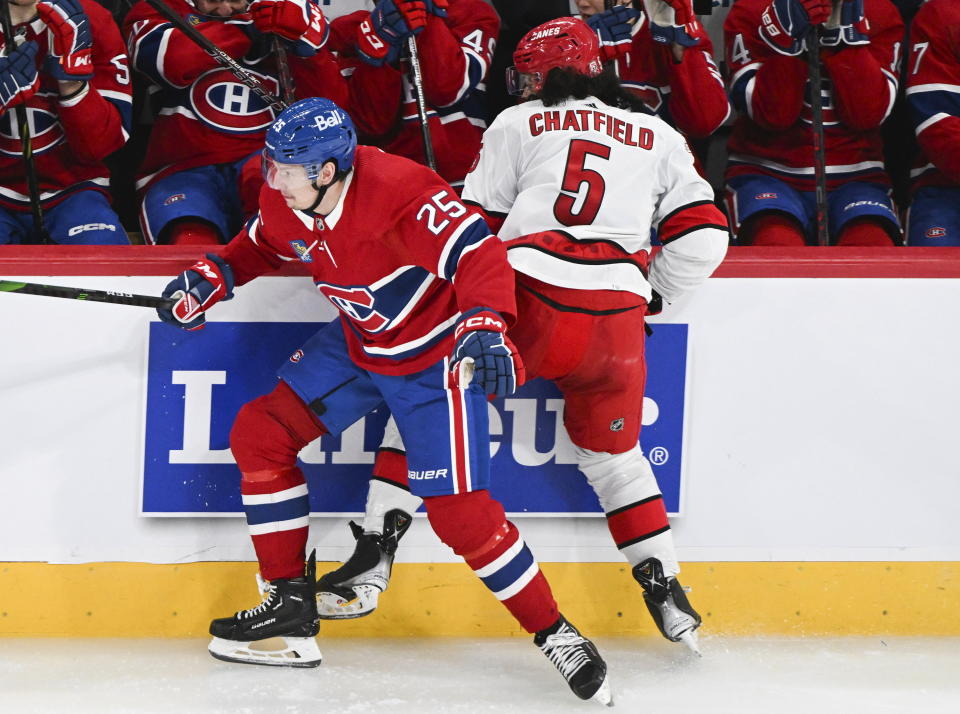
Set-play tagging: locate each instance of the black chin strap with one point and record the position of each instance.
(322, 190)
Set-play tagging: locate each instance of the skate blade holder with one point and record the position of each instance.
(692, 641)
(275, 651)
(331, 606)
(603, 695)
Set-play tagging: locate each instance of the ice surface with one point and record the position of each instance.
(736, 675)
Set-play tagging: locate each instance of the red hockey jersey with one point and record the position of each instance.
(70, 138)
(689, 95)
(773, 134)
(205, 114)
(455, 55)
(399, 256)
(933, 92)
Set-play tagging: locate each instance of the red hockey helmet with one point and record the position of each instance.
(564, 42)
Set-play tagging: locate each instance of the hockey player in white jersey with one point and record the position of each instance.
(573, 182)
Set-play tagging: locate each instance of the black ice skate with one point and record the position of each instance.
(577, 659)
(667, 602)
(288, 611)
(353, 589)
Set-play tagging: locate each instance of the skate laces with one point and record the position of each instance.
(267, 591)
(564, 650)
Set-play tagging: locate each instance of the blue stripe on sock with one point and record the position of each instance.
(273, 512)
(509, 573)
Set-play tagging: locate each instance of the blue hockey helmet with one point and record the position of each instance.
(308, 134)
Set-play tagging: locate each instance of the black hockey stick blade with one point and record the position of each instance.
(59, 291)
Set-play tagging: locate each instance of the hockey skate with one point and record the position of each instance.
(667, 602)
(353, 589)
(578, 661)
(288, 612)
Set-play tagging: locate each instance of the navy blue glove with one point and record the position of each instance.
(672, 21)
(785, 23)
(615, 31)
(481, 335)
(71, 52)
(18, 75)
(195, 290)
(851, 28)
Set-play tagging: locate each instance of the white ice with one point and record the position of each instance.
(424, 676)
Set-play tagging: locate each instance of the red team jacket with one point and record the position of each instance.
(773, 134)
(205, 115)
(933, 92)
(70, 139)
(688, 95)
(387, 258)
(455, 55)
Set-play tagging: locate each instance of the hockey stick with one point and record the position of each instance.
(26, 140)
(421, 102)
(283, 71)
(225, 60)
(11, 286)
(819, 150)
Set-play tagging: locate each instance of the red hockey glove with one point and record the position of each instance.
(785, 23)
(18, 75)
(673, 21)
(196, 290)
(295, 20)
(481, 335)
(71, 53)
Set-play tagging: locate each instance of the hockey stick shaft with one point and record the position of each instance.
(226, 61)
(26, 140)
(819, 149)
(421, 102)
(59, 291)
(283, 71)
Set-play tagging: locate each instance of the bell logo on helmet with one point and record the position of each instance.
(326, 121)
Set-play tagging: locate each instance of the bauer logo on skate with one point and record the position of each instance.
(196, 386)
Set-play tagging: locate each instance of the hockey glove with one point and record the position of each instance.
(672, 21)
(481, 335)
(785, 23)
(71, 51)
(196, 290)
(848, 27)
(615, 28)
(294, 20)
(381, 38)
(18, 75)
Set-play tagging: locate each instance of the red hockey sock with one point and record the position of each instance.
(277, 511)
(192, 232)
(475, 526)
(638, 521)
(864, 232)
(267, 435)
(391, 466)
(771, 229)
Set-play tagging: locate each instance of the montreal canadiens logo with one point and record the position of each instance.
(936, 232)
(46, 132)
(357, 304)
(296, 356)
(221, 102)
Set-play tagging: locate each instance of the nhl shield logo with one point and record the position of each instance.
(617, 424)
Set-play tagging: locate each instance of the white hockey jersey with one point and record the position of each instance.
(598, 173)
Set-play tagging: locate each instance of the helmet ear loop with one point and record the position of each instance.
(338, 175)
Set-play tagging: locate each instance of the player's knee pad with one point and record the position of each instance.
(618, 479)
(470, 523)
(270, 431)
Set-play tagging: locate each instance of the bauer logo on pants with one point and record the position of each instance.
(197, 383)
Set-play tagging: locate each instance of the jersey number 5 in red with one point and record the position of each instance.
(575, 175)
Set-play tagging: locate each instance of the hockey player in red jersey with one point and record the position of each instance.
(455, 40)
(770, 175)
(201, 176)
(69, 67)
(584, 283)
(423, 288)
(665, 57)
(933, 94)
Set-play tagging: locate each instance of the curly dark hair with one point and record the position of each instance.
(562, 83)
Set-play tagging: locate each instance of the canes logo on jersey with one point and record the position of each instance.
(357, 304)
(46, 132)
(224, 104)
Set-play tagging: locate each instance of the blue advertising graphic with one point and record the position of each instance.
(197, 382)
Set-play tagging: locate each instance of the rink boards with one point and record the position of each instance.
(816, 494)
